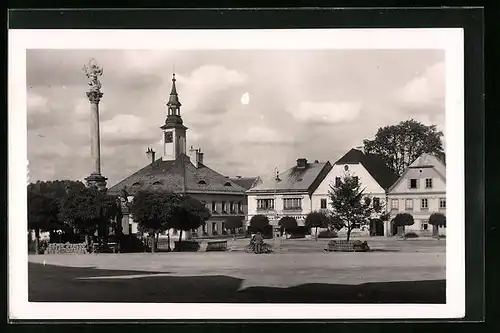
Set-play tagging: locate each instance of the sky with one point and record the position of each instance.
(250, 111)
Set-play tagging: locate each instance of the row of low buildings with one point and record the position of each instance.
(295, 192)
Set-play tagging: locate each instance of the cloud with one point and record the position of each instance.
(37, 103)
(326, 112)
(260, 135)
(427, 89)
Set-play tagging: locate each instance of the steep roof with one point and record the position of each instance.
(246, 182)
(373, 163)
(295, 179)
(177, 176)
(425, 161)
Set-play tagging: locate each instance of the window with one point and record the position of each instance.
(214, 226)
(264, 204)
(323, 203)
(223, 226)
(240, 208)
(424, 225)
(394, 204)
(428, 183)
(290, 204)
(231, 207)
(224, 207)
(228, 184)
(202, 182)
(337, 181)
(442, 203)
(413, 183)
(424, 204)
(376, 203)
(409, 204)
(214, 206)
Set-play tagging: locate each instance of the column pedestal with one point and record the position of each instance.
(96, 180)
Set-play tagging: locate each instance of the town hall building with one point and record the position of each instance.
(177, 172)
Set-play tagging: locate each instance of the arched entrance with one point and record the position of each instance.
(376, 227)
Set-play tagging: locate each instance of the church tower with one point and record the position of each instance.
(173, 132)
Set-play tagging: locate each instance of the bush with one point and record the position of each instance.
(204, 234)
(327, 234)
(195, 234)
(215, 233)
(411, 235)
(131, 243)
(186, 246)
(224, 232)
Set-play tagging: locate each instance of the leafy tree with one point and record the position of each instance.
(89, 210)
(318, 219)
(234, 222)
(154, 212)
(351, 208)
(259, 223)
(403, 219)
(43, 205)
(288, 223)
(437, 219)
(399, 145)
(188, 213)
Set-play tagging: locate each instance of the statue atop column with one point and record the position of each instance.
(93, 71)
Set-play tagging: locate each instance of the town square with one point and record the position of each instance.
(183, 180)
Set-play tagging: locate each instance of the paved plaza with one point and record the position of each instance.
(397, 271)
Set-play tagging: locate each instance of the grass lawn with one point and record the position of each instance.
(397, 271)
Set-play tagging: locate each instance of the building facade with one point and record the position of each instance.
(371, 172)
(178, 172)
(288, 194)
(420, 191)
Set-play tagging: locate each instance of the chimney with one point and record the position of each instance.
(151, 154)
(199, 157)
(301, 163)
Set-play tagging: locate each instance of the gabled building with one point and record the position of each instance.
(177, 172)
(371, 171)
(289, 193)
(420, 191)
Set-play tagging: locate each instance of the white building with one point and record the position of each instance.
(288, 194)
(372, 173)
(420, 191)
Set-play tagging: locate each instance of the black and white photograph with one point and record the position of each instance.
(168, 173)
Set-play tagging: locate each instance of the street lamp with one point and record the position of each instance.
(276, 180)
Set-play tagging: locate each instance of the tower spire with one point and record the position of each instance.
(173, 102)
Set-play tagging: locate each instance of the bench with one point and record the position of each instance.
(347, 246)
(216, 246)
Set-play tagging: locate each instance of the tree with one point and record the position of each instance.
(188, 213)
(89, 210)
(234, 222)
(403, 219)
(259, 223)
(154, 212)
(350, 206)
(317, 220)
(43, 205)
(437, 220)
(288, 223)
(399, 145)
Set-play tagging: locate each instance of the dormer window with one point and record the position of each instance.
(202, 182)
(136, 184)
(158, 183)
(228, 184)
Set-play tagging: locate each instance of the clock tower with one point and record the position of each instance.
(173, 132)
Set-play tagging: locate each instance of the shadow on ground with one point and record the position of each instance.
(49, 283)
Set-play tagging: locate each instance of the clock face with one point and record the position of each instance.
(168, 137)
